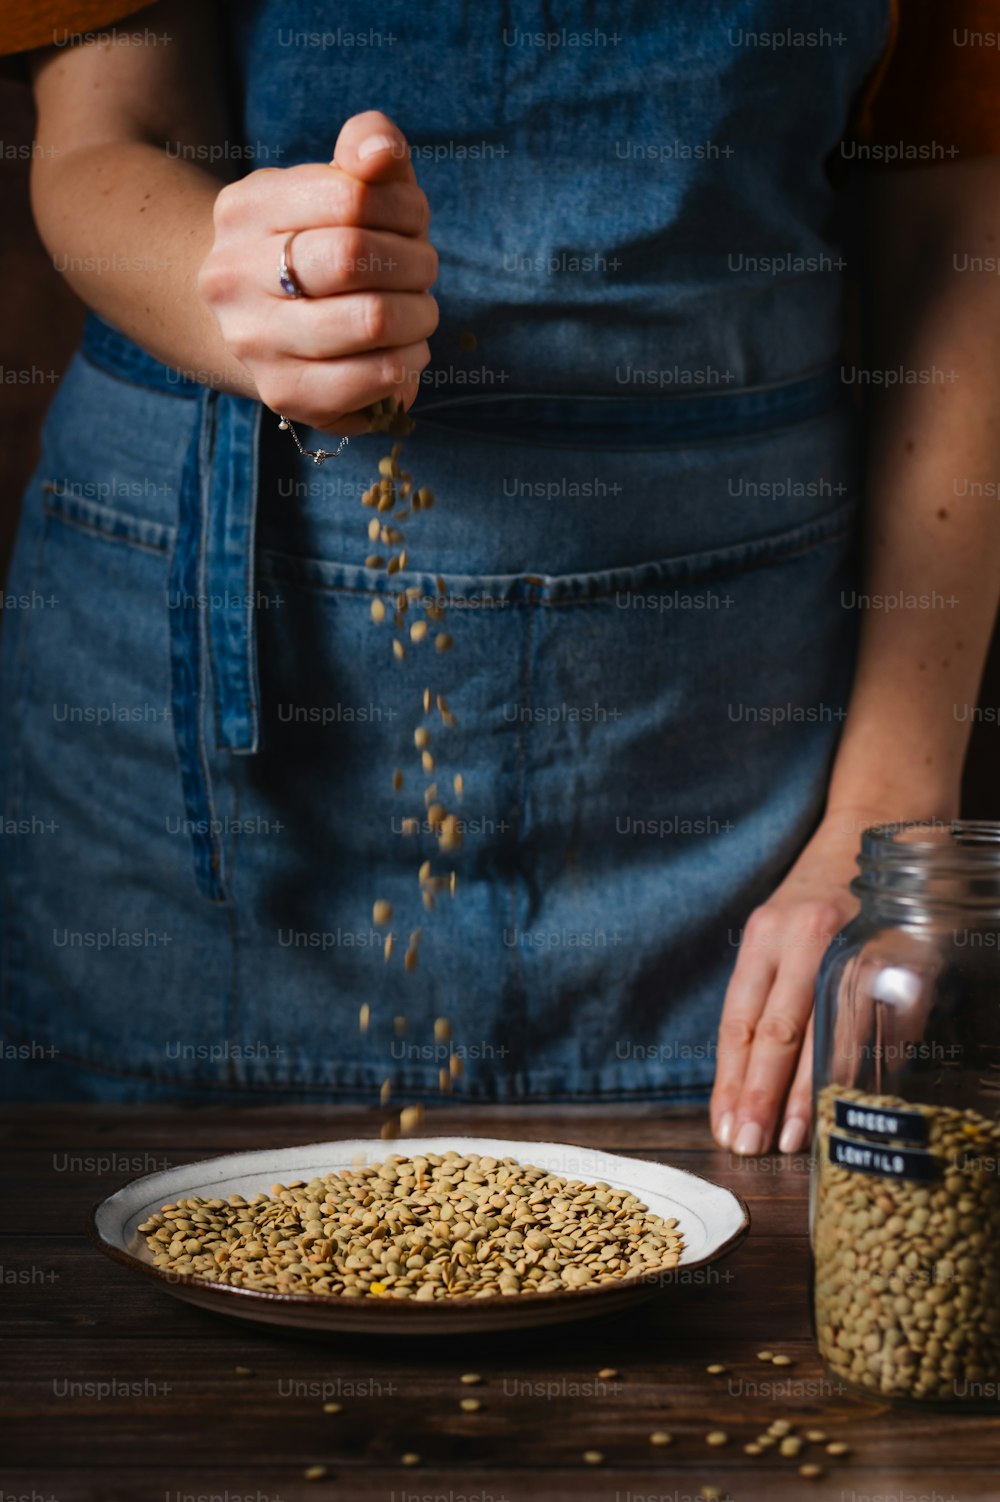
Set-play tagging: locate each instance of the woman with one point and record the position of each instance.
(634, 413)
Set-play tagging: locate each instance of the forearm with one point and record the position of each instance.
(128, 226)
(932, 535)
(119, 194)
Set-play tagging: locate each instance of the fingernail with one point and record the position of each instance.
(793, 1135)
(724, 1130)
(749, 1140)
(375, 143)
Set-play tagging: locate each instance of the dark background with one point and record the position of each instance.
(40, 330)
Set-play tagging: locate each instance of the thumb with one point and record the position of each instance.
(372, 148)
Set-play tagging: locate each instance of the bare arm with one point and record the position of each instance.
(918, 671)
(187, 265)
(119, 194)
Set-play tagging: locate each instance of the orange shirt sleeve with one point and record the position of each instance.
(58, 23)
(936, 94)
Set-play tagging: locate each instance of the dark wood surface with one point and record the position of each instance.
(191, 1426)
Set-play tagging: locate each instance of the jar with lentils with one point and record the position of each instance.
(905, 1187)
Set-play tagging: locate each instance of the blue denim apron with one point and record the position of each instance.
(647, 480)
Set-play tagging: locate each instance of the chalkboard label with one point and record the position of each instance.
(882, 1124)
(885, 1162)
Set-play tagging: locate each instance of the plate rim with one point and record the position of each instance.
(440, 1308)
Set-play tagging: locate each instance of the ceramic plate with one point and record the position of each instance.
(713, 1221)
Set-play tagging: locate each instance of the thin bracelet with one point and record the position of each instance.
(318, 456)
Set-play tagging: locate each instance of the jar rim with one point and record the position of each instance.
(949, 844)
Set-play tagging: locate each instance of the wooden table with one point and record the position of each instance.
(181, 1423)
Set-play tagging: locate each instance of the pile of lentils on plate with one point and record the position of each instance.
(434, 1226)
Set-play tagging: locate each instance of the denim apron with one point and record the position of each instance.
(647, 482)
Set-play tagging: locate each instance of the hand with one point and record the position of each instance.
(364, 260)
(764, 1068)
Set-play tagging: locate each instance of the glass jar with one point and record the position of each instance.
(905, 1187)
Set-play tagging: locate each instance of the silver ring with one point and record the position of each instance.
(290, 284)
